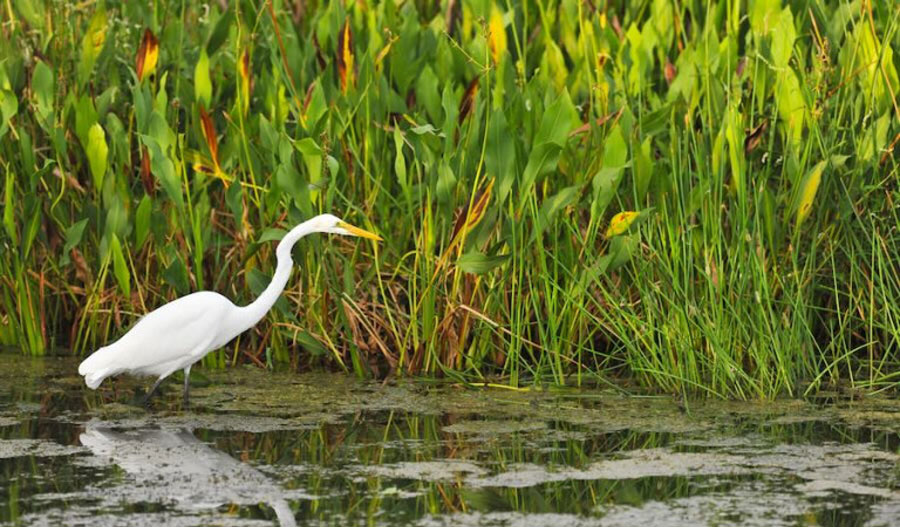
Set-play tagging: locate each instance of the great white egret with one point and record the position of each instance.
(176, 335)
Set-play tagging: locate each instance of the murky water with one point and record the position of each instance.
(263, 448)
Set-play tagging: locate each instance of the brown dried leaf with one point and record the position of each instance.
(147, 55)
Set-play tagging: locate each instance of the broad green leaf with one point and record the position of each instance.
(500, 155)
(764, 15)
(428, 94)
(783, 38)
(446, 184)
(34, 213)
(290, 182)
(74, 234)
(558, 120)
(177, 276)
(85, 118)
(615, 150)
(120, 267)
(42, 85)
(621, 249)
(642, 169)
(142, 220)
(272, 233)
(875, 138)
(202, 83)
(9, 210)
(791, 107)
(164, 169)
(542, 160)
(9, 103)
(553, 205)
(606, 182)
(32, 11)
(97, 152)
(220, 32)
(807, 194)
(310, 343)
(312, 158)
(479, 263)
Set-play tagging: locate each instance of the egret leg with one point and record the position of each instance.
(146, 401)
(187, 386)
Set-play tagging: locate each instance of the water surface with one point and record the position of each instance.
(264, 448)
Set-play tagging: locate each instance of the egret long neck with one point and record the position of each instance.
(252, 313)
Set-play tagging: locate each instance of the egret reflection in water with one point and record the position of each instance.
(172, 466)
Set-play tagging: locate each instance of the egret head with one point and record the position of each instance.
(334, 225)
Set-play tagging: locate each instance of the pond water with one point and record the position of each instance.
(264, 448)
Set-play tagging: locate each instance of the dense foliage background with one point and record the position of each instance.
(696, 196)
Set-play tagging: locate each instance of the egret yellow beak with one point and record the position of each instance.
(356, 231)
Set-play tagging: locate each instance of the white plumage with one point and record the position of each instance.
(176, 335)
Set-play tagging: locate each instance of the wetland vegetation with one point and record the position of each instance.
(691, 197)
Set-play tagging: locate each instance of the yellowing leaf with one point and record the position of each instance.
(147, 55)
(496, 34)
(97, 152)
(92, 43)
(345, 57)
(808, 190)
(384, 52)
(202, 84)
(244, 69)
(620, 223)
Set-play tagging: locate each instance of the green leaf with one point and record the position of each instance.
(202, 84)
(34, 213)
(32, 11)
(42, 85)
(312, 158)
(142, 220)
(558, 120)
(120, 267)
(427, 92)
(621, 249)
(500, 155)
(271, 234)
(400, 160)
(552, 205)
(220, 32)
(9, 210)
(9, 103)
(479, 263)
(783, 38)
(74, 234)
(97, 152)
(615, 150)
(541, 161)
(310, 343)
(85, 118)
(177, 276)
(446, 183)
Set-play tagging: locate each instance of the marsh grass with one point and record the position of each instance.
(698, 197)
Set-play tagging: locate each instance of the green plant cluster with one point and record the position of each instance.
(690, 196)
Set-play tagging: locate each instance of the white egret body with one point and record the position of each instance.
(176, 335)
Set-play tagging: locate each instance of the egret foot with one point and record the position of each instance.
(145, 402)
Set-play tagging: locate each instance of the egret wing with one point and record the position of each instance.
(170, 334)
